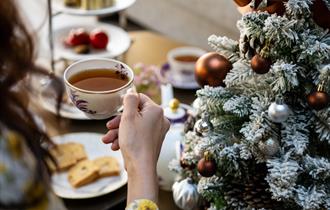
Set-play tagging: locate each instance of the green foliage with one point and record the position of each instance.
(298, 174)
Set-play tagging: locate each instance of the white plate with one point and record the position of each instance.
(119, 42)
(94, 148)
(119, 5)
(187, 85)
(68, 110)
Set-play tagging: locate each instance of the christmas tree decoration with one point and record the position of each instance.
(242, 3)
(185, 165)
(274, 6)
(270, 6)
(269, 147)
(211, 69)
(278, 112)
(260, 65)
(321, 13)
(203, 126)
(185, 194)
(199, 151)
(318, 99)
(190, 123)
(266, 153)
(206, 166)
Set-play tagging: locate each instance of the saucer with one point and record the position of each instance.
(168, 76)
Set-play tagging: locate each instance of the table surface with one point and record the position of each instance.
(149, 48)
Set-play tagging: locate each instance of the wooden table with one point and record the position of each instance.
(148, 48)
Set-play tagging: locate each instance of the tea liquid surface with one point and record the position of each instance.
(98, 80)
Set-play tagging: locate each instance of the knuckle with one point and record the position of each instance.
(130, 96)
(158, 111)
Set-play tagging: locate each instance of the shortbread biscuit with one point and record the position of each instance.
(83, 173)
(108, 166)
(67, 155)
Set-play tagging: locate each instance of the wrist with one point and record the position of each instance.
(138, 171)
(142, 184)
(140, 165)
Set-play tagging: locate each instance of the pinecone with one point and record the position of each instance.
(255, 194)
(250, 195)
(234, 197)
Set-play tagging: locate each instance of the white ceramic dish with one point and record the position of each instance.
(167, 73)
(68, 110)
(94, 148)
(119, 42)
(119, 5)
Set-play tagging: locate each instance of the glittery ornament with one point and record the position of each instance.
(185, 194)
(269, 147)
(278, 112)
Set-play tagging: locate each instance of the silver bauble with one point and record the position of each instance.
(203, 126)
(185, 194)
(269, 147)
(278, 112)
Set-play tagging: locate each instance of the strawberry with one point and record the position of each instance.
(77, 37)
(98, 39)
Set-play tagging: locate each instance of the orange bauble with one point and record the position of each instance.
(211, 69)
(318, 100)
(242, 3)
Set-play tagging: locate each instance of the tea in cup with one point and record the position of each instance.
(96, 86)
(182, 62)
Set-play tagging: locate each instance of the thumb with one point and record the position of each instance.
(131, 104)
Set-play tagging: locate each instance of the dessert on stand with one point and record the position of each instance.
(69, 42)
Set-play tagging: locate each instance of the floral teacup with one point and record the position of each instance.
(98, 104)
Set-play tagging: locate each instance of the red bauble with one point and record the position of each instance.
(321, 14)
(318, 100)
(206, 167)
(260, 65)
(99, 39)
(211, 69)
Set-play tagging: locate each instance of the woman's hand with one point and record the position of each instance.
(139, 133)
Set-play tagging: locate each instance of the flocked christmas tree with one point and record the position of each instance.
(261, 137)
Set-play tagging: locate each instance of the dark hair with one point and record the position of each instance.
(16, 61)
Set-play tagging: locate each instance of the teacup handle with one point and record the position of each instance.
(121, 108)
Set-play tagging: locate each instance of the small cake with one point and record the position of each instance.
(96, 4)
(108, 166)
(83, 173)
(67, 155)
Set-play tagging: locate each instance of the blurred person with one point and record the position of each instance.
(24, 177)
